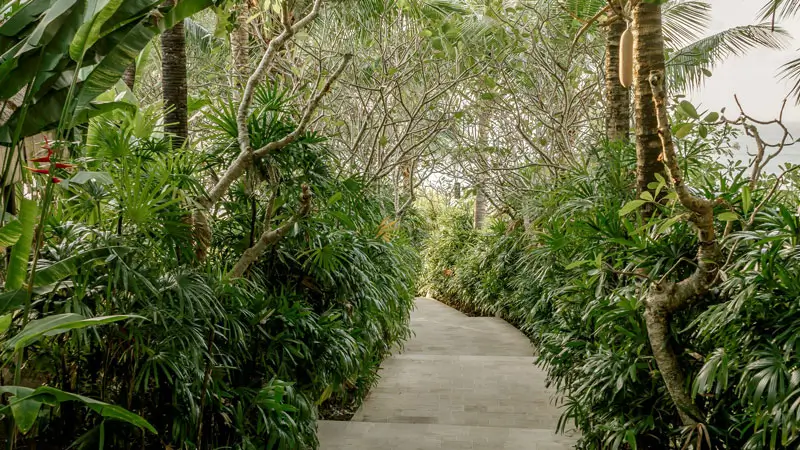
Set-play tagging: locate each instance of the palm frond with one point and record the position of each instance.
(779, 8)
(685, 21)
(791, 71)
(688, 66)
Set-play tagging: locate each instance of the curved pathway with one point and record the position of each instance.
(460, 383)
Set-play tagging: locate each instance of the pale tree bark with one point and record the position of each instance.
(174, 83)
(648, 52)
(618, 100)
(666, 298)
(480, 207)
(479, 216)
(248, 155)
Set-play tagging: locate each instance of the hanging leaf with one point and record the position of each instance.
(25, 413)
(631, 206)
(58, 324)
(5, 322)
(98, 12)
(49, 395)
(728, 216)
(10, 233)
(20, 253)
(746, 199)
(688, 109)
(683, 130)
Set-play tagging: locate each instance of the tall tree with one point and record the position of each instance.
(173, 81)
(618, 112)
(648, 56)
(240, 45)
(129, 77)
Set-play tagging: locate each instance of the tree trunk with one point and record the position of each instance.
(240, 46)
(129, 77)
(618, 99)
(480, 207)
(648, 53)
(173, 82)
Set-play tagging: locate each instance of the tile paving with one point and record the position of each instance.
(460, 383)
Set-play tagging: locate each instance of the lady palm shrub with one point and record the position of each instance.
(574, 281)
(210, 361)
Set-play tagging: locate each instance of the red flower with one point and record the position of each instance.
(44, 171)
(44, 159)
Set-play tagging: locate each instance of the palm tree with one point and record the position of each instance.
(173, 82)
(648, 56)
(682, 23)
(785, 9)
(618, 114)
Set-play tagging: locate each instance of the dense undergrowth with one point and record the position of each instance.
(208, 360)
(574, 282)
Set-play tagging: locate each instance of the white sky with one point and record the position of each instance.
(752, 77)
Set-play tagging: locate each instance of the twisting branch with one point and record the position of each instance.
(666, 297)
(271, 236)
(248, 156)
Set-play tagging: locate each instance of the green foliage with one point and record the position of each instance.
(574, 282)
(68, 52)
(204, 360)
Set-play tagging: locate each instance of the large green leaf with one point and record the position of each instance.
(20, 253)
(12, 300)
(69, 266)
(49, 395)
(118, 40)
(10, 233)
(58, 324)
(49, 25)
(110, 69)
(26, 16)
(99, 11)
(25, 413)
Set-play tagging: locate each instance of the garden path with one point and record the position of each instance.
(460, 383)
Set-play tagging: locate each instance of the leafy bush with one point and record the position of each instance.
(574, 282)
(209, 360)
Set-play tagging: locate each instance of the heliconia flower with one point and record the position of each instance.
(44, 159)
(44, 171)
(64, 166)
(57, 180)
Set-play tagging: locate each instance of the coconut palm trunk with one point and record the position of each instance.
(129, 77)
(618, 108)
(648, 54)
(173, 82)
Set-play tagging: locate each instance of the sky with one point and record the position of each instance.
(752, 77)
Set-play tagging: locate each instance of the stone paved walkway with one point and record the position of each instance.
(460, 383)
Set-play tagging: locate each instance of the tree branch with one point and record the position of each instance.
(271, 236)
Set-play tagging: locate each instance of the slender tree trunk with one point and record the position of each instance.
(129, 77)
(173, 82)
(648, 53)
(480, 207)
(480, 196)
(618, 99)
(240, 46)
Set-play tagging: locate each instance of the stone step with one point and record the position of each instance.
(486, 391)
(404, 436)
(466, 336)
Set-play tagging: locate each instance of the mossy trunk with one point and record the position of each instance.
(618, 99)
(648, 53)
(173, 82)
